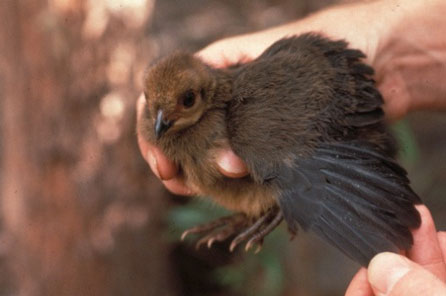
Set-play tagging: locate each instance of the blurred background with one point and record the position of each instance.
(80, 211)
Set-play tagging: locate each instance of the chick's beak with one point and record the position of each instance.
(161, 124)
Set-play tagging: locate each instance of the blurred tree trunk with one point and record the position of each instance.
(79, 215)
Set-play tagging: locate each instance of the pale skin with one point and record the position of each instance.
(405, 42)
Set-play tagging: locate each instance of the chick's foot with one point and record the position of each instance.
(240, 225)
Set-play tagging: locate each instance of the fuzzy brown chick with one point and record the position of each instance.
(306, 118)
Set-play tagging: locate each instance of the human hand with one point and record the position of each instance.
(423, 272)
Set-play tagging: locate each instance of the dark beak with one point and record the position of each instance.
(161, 125)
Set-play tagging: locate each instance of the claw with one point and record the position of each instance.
(184, 234)
(201, 242)
(259, 248)
(233, 245)
(252, 242)
(213, 237)
(249, 245)
(210, 242)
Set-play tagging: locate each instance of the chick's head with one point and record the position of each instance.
(178, 90)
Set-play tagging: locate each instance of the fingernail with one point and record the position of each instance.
(385, 270)
(153, 163)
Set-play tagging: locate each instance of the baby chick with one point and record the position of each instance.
(306, 118)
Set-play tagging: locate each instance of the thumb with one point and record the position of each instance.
(393, 275)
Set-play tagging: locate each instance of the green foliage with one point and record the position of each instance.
(408, 148)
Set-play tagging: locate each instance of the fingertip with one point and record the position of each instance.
(225, 52)
(391, 274)
(427, 231)
(396, 97)
(211, 56)
(178, 187)
(424, 211)
(153, 163)
(427, 228)
(385, 270)
(214, 60)
(230, 165)
(166, 169)
(426, 249)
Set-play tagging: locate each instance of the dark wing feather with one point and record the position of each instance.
(352, 196)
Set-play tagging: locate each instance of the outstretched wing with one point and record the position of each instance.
(353, 197)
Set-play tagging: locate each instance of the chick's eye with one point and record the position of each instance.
(189, 99)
